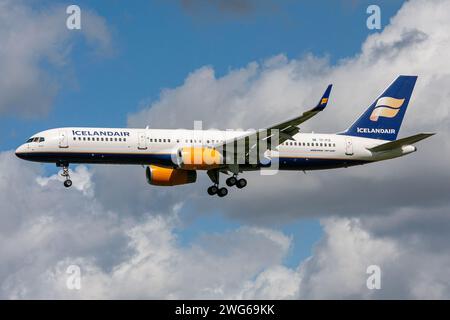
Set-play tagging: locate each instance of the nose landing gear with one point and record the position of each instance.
(68, 183)
(65, 174)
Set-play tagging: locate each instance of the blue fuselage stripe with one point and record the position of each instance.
(165, 159)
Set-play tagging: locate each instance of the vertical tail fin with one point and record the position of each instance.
(382, 120)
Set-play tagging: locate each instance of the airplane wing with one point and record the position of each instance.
(401, 142)
(286, 129)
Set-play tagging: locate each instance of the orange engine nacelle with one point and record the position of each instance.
(159, 176)
(198, 158)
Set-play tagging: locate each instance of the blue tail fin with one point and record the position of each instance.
(382, 120)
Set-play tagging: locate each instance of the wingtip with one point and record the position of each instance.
(324, 99)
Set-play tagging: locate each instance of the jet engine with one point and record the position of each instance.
(160, 176)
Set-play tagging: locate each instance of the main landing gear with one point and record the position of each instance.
(214, 189)
(231, 181)
(65, 174)
(234, 181)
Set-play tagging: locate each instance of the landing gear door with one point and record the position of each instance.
(348, 146)
(63, 139)
(142, 140)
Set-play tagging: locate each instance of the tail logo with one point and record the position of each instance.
(386, 107)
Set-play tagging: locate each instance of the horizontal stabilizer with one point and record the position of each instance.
(401, 142)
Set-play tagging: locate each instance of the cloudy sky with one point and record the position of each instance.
(232, 64)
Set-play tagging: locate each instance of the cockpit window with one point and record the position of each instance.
(36, 139)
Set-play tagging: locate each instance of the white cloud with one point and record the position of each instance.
(36, 46)
(339, 263)
(45, 228)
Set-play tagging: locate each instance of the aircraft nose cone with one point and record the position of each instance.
(20, 152)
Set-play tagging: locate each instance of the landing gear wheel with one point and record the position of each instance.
(213, 190)
(68, 183)
(241, 183)
(222, 192)
(231, 181)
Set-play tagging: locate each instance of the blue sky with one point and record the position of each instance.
(156, 44)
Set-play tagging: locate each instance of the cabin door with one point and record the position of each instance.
(142, 140)
(63, 139)
(348, 146)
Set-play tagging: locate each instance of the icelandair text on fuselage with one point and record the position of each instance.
(375, 130)
(101, 133)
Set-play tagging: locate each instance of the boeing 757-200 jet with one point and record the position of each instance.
(173, 157)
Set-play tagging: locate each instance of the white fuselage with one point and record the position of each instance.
(308, 151)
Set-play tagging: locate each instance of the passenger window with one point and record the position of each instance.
(164, 140)
(74, 138)
(98, 139)
(124, 139)
(160, 140)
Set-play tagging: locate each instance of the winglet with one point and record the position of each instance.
(324, 100)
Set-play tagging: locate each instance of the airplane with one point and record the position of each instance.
(173, 157)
